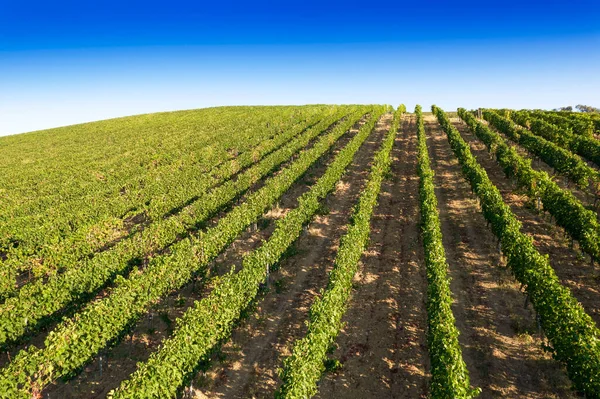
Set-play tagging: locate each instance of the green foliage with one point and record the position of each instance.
(41, 299)
(574, 336)
(74, 342)
(303, 369)
(333, 365)
(70, 192)
(562, 134)
(449, 374)
(587, 108)
(212, 318)
(561, 159)
(580, 223)
(582, 127)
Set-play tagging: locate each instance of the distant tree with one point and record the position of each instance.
(564, 109)
(587, 108)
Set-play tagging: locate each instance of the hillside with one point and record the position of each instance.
(297, 251)
(97, 180)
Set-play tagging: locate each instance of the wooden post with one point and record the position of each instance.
(267, 279)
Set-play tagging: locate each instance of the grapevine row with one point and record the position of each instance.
(167, 195)
(74, 342)
(80, 198)
(211, 319)
(449, 374)
(45, 236)
(561, 159)
(574, 336)
(74, 248)
(41, 299)
(207, 130)
(304, 367)
(580, 223)
(587, 147)
(575, 125)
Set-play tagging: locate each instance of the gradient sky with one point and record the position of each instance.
(65, 62)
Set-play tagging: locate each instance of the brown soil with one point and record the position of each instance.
(587, 196)
(255, 352)
(38, 336)
(119, 362)
(573, 269)
(382, 349)
(108, 237)
(499, 337)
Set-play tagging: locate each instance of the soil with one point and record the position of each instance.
(256, 350)
(498, 335)
(574, 269)
(586, 196)
(382, 349)
(120, 361)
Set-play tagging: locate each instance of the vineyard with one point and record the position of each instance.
(329, 251)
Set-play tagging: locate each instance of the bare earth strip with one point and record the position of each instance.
(37, 337)
(120, 361)
(586, 197)
(383, 348)
(252, 357)
(500, 346)
(574, 270)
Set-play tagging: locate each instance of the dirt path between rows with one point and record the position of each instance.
(120, 361)
(587, 196)
(38, 335)
(502, 352)
(382, 349)
(249, 364)
(574, 270)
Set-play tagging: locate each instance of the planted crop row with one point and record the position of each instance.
(574, 336)
(98, 215)
(449, 374)
(545, 129)
(45, 247)
(41, 299)
(561, 159)
(582, 127)
(304, 367)
(73, 249)
(585, 117)
(212, 319)
(587, 147)
(114, 167)
(74, 342)
(578, 221)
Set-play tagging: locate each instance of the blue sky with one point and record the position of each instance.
(65, 62)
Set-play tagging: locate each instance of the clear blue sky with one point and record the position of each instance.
(65, 62)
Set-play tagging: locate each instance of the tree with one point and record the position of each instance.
(587, 108)
(565, 109)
